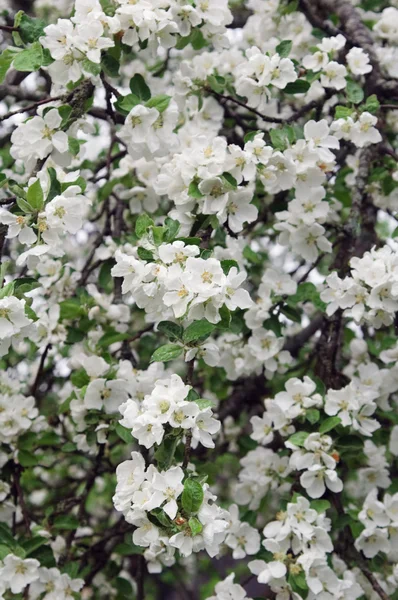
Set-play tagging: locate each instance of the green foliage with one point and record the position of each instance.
(197, 331)
(192, 496)
(160, 102)
(300, 86)
(284, 48)
(142, 224)
(139, 88)
(29, 29)
(298, 438)
(329, 424)
(171, 330)
(6, 58)
(35, 196)
(166, 353)
(30, 59)
(282, 138)
(354, 92)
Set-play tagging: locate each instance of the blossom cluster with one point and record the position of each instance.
(26, 575)
(140, 490)
(168, 406)
(369, 293)
(300, 543)
(180, 284)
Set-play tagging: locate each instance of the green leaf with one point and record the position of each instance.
(30, 59)
(297, 582)
(110, 65)
(4, 551)
(126, 549)
(284, 48)
(216, 83)
(354, 92)
(27, 459)
(111, 338)
(69, 522)
(142, 224)
(229, 181)
(172, 229)
(91, 67)
(290, 8)
(23, 285)
(6, 58)
(160, 102)
(300, 86)
(124, 588)
(35, 196)
(250, 135)
(124, 104)
(192, 496)
(166, 353)
(291, 313)
(320, 506)
(195, 526)
(80, 378)
(371, 105)
(225, 315)
(298, 438)
(193, 190)
(227, 265)
(253, 257)
(55, 186)
(307, 292)
(349, 442)
(30, 29)
(73, 146)
(124, 433)
(171, 330)
(198, 330)
(158, 235)
(71, 309)
(195, 38)
(32, 544)
(342, 112)
(273, 324)
(203, 403)
(140, 88)
(24, 206)
(6, 536)
(329, 424)
(68, 447)
(283, 138)
(312, 415)
(45, 556)
(144, 254)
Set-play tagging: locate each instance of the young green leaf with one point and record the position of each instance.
(140, 88)
(35, 196)
(166, 353)
(329, 424)
(198, 330)
(192, 496)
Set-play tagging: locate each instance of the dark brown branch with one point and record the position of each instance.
(8, 28)
(17, 470)
(29, 108)
(40, 371)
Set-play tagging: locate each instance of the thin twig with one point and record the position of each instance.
(40, 370)
(30, 107)
(21, 499)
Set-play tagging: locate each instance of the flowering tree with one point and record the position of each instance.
(198, 297)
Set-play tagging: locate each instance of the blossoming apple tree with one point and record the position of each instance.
(198, 299)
